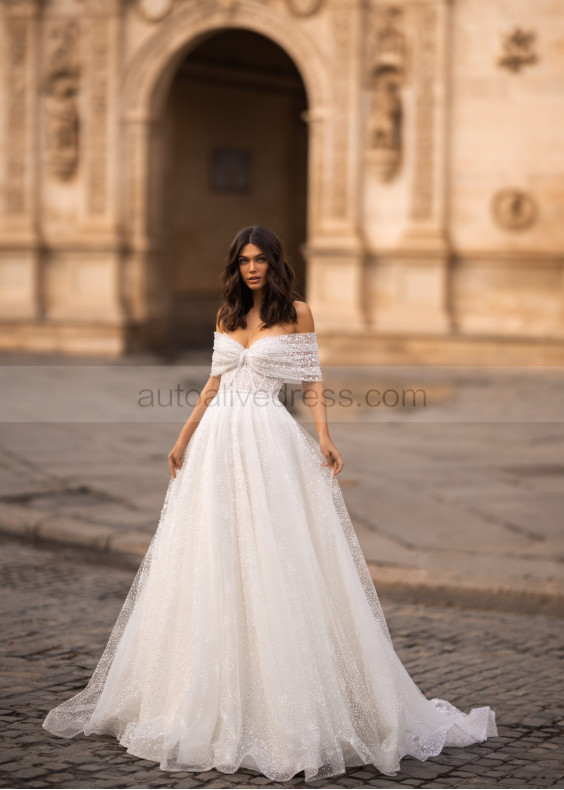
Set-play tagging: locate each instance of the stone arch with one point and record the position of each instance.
(148, 75)
(145, 87)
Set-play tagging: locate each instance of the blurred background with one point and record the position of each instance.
(409, 154)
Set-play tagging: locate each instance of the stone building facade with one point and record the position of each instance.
(409, 153)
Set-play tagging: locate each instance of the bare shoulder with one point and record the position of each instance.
(304, 322)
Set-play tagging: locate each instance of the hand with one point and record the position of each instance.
(332, 455)
(175, 455)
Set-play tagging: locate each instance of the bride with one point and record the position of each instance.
(252, 635)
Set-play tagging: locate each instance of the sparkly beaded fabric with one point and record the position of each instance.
(252, 635)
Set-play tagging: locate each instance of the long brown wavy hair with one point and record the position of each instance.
(278, 303)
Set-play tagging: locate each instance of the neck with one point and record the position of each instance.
(258, 298)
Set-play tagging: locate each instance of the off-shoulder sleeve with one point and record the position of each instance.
(307, 357)
(292, 358)
(225, 354)
(217, 363)
(221, 355)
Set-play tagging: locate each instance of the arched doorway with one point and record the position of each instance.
(234, 153)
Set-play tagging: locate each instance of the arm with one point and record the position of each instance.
(315, 399)
(206, 396)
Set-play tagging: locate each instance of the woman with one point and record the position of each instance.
(252, 634)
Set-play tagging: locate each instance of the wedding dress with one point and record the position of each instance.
(252, 634)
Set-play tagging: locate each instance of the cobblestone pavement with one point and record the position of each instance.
(57, 610)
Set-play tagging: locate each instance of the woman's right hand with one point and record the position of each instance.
(206, 396)
(175, 455)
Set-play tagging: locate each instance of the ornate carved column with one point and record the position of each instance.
(79, 78)
(317, 129)
(85, 257)
(426, 224)
(101, 101)
(386, 68)
(412, 279)
(19, 253)
(140, 138)
(335, 252)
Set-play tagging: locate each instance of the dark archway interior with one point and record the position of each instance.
(234, 154)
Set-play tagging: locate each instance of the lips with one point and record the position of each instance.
(254, 279)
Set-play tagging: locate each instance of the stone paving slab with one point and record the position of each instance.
(56, 614)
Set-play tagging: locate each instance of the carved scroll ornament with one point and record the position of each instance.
(61, 86)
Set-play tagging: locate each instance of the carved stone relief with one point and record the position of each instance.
(98, 86)
(155, 10)
(304, 7)
(102, 7)
(230, 6)
(518, 50)
(387, 56)
(425, 69)
(17, 114)
(514, 209)
(20, 6)
(61, 87)
(342, 22)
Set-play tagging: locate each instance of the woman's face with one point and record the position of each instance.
(253, 266)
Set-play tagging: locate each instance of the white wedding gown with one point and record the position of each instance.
(252, 634)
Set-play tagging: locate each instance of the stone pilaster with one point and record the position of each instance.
(426, 220)
(411, 281)
(99, 187)
(19, 253)
(335, 254)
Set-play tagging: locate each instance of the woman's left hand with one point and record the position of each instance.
(332, 455)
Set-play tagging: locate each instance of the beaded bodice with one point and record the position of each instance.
(268, 363)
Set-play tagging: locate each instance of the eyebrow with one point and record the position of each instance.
(245, 257)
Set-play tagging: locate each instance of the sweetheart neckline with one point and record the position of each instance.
(267, 337)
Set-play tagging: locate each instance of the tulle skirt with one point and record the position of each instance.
(252, 635)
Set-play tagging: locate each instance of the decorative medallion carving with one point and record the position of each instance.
(387, 60)
(518, 50)
(304, 7)
(61, 87)
(155, 10)
(514, 209)
(17, 114)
